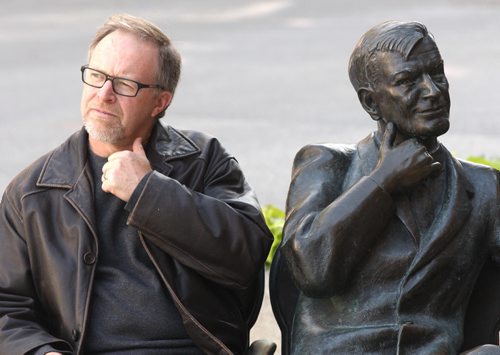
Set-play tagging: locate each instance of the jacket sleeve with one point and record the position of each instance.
(328, 230)
(219, 232)
(20, 329)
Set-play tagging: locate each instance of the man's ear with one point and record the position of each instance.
(367, 99)
(162, 102)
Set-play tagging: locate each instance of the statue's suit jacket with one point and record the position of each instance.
(371, 280)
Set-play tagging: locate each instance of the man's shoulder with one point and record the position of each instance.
(200, 139)
(183, 142)
(25, 182)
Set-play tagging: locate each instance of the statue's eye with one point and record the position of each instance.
(405, 81)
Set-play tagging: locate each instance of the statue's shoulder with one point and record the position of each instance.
(318, 173)
(481, 177)
(325, 154)
(479, 172)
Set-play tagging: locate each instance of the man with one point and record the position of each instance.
(386, 239)
(131, 237)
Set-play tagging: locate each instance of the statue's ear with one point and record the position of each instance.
(367, 99)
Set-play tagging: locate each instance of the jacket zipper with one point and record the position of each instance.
(178, 302)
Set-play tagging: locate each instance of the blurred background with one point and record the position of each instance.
(265, 77)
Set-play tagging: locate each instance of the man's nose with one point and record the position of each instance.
(106, 92)
(429, 86)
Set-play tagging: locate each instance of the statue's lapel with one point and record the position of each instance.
(406, 216)
(451, 217)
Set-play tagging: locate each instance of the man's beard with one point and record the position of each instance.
(111, 135)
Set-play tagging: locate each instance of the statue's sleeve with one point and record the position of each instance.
(495, 223)
(328, 230)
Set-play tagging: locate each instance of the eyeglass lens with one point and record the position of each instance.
(120, 86)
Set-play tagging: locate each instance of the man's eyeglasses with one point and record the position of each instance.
(121, 86)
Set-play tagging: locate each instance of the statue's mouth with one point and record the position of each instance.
(432, 111)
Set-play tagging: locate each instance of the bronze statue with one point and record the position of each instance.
(385, 239)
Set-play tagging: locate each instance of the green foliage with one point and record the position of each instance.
(275, 220)
(494, 162)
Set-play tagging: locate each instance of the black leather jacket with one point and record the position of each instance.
(197, 218)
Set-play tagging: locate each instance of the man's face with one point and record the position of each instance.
(113, 119)
(413, 93)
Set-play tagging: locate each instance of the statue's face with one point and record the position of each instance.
(413, 93)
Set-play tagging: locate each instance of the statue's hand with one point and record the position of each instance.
(403, 165)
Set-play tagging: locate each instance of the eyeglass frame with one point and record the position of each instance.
(112, 78)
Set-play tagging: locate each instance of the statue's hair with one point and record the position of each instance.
(169, 59)
(390, 36)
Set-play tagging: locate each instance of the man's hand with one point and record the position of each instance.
(124, 170)
(403, 165)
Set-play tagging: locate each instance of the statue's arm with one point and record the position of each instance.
(495, 222)
(327, 230)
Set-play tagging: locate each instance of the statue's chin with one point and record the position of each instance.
(438, 128)
(430, 129)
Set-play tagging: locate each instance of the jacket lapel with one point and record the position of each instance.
(67, 168)
(450, 218)
(454, 213)
(406, 216)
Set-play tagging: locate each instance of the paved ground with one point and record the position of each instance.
(266, 77)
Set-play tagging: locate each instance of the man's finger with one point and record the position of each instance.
(105, 168)
(137, 147)
(117, 155)
(105, 186)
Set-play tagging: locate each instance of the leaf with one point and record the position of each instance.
(275, 220)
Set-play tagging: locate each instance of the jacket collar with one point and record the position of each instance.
(171, 144)
(67, 163)
(167, 144)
